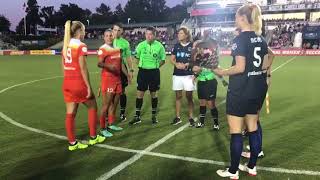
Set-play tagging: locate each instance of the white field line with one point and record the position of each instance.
(144, 152)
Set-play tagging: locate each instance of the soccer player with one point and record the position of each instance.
(183, 79)
(111, 87)
(246, 85)
(76, 84)
(123, 44)
(151, 56)
(267, 74)
(205, 59)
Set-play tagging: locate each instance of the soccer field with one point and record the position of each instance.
(34, 146)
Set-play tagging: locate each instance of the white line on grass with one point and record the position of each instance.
(136, 157)
(291, 59)
(162, 155)
(144, 152)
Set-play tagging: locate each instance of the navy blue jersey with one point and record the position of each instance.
(183, 55)
(252, 82)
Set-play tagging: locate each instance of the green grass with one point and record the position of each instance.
(291, 131)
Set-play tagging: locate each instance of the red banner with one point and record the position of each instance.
(284, 52)
(203, 12)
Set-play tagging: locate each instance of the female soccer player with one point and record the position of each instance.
(76, 84)
(182, 79)
(246, 86)
(112, 66)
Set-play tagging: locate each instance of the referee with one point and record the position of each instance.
(123, 44)
(151, 56)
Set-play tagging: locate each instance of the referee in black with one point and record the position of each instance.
(151, 56)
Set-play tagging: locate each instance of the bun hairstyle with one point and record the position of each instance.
(253, 14)
(70, 30)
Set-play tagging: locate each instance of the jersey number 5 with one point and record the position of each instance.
(258, 61)
(69, 56)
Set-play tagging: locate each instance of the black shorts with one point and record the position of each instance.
(124, 79)
(148, 79)
(207, 89)
(240, 106)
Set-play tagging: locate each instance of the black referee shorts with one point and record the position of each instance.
(240, 106)
(124, 79)
(148, 79)
(207, 89)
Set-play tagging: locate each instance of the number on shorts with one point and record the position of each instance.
(255, 54)
(69, 56)
(109, 90)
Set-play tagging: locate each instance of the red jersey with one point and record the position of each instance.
(111, 56)
(71, 61)
(74, 87)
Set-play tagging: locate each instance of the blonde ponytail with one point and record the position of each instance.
(253, 14)
(67, 37)
(256, 17)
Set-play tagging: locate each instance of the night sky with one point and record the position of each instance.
(13, 10)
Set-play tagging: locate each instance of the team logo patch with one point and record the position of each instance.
(100, 52)
(84, 49)
(234, 46)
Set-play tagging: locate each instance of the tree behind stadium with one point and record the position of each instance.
(4, 24)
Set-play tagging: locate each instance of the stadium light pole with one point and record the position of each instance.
(129, 20)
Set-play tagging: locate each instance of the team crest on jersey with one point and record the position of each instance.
(100, 52)
(234, 46)
(84, 49)
(189, 48)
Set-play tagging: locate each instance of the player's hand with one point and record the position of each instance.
(218, 71)
(89, 93)
(269, 81)
(180, 66)
(196, 69)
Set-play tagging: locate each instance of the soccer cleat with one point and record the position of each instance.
(98, 139)
(123, 117)
(136, 120)
(244, 133)
(216, 127)
(248, 154)
(245, 168)
(192, 122)
(226, 173)
(200, 125)
(76, 146)
(115, 128)
(176, 121)
(106, 133)
(154, 120)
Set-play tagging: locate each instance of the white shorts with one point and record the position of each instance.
(185, 83)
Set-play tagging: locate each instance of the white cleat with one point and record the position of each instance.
(245, 168)
(226, 173)
(248, 154)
